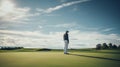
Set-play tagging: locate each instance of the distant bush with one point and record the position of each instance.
(107, 46)
(10, 48)
(44, 49)
(98, 46)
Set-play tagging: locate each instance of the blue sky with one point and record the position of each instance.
(41, 23)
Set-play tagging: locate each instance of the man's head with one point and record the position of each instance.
(67, 31)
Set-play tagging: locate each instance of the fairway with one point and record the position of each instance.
(58, 59)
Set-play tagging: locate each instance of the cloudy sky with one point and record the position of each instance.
(42, 23)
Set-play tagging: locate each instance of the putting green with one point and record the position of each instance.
(58, 59)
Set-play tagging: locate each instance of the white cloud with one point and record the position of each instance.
(66, 25)
(74, 26)
(40, 27)
(78, 39)
(40, 10)
(24, 33)
(49, 10)
(108, 29)
(62, 1)
(30, 39)
(75, 8)
(2, 27)
(9, 12)
(93, 38)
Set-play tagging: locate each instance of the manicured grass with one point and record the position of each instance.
(58, 59)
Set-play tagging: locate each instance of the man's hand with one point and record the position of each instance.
(68, 41)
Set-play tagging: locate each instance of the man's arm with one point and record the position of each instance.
(68, 40)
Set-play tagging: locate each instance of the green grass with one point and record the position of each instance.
(56, 58)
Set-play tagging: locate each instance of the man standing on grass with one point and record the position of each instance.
(66, 40)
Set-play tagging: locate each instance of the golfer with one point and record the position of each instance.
(66, 40)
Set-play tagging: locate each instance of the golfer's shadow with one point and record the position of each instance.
(95, 57)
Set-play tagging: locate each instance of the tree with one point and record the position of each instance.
(105, 46)
(114, 46)
(110, 45)
(98, 46)
(119, 47)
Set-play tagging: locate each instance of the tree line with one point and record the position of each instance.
(107, 46)
(10, 48)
